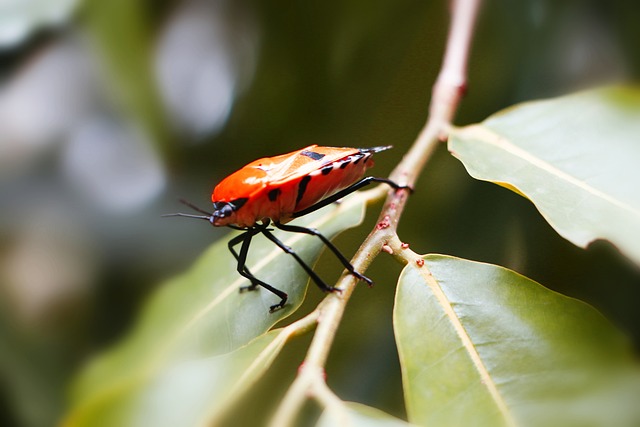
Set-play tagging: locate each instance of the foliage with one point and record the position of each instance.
(478, 344)
(463, 343)
(482, 345)
(573, 157)
(200, 338)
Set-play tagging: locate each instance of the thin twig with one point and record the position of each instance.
(447, 92)
(327, 398)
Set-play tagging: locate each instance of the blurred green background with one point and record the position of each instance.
(112, 110)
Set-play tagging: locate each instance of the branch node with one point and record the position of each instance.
(385, 223)
(386, 248)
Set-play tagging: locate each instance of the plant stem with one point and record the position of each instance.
(447, 92)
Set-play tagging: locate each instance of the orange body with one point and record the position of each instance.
(277, 187)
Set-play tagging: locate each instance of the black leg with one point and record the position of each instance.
(245, 238)
(321, 284)
(234, 242)
(342, 193)
(331, 246)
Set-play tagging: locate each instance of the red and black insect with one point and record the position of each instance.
(275, 190)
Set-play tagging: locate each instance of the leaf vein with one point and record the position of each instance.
(490, 137)
(468, 344)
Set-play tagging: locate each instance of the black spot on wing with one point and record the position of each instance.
(327, 170)
(238, 203)
(273, 194)
(344, 164)
(302, 187)
(312, 154)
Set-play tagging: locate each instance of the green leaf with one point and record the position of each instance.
(482, 345)
(192, 392)
(576, 158)
(193, 319)
(353, 414)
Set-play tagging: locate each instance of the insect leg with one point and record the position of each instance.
(241, 238)
(342, 193)
(244, 271)
(312, 231)
(321, 284)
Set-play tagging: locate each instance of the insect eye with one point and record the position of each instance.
(226, 210)
(222, 209)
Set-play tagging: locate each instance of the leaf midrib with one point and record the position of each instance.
(468, 344)
(152, 366)
(278, 341)
(485, 135)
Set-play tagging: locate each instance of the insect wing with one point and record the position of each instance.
(303, 162)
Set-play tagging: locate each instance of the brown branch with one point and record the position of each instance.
(447, 92)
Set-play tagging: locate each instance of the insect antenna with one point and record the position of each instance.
(206, 215)
(208, 218)
(194, 207)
